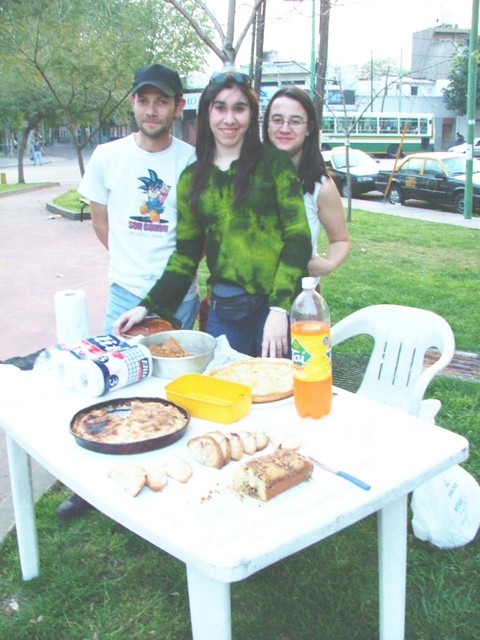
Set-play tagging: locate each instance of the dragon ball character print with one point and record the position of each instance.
(156, 191)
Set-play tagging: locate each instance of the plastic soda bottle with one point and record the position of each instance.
(311, 352)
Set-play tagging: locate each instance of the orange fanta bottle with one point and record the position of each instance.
(311, 354)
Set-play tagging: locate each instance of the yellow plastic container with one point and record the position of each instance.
(210, 398)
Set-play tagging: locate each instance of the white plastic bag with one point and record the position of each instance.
(446, 509)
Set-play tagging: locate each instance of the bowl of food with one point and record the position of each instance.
(177, 352)
(150, 326)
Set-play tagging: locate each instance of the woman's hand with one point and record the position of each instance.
(275, 335)
(128, 319)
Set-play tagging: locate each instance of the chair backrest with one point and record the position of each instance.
(396, 373)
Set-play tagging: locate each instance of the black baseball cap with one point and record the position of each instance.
(160, 76)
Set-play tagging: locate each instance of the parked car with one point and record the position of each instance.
(363, 170)
(462, 148)
(437, 177)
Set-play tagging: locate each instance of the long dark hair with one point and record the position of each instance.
(311, 167)
(205, 143)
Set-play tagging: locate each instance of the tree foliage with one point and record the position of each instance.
(23, 106)
(455, 95)
(85, 52)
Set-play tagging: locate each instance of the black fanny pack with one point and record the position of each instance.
(234, 305)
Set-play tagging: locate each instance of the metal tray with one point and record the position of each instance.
(121, 406)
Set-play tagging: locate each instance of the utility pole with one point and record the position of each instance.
(471, 105)
(322, 57)
(313, 54)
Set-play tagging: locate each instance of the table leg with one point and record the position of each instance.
(24, 508)
(392, 562)
(210, 608)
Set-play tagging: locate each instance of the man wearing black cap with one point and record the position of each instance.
(131, 184)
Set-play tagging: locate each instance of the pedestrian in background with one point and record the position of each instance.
(37, 152)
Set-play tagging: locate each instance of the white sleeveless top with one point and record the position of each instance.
(311, 207)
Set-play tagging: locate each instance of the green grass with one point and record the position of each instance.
(99, 581)
(410, 262)
(69, 200)
(6, 188)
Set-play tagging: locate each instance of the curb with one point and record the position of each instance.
(67, 213)
(53, 208)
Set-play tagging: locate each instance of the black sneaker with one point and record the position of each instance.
(73, 507)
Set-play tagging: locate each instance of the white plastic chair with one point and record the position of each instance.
(396, 373)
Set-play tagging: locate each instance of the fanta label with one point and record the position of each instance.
(311, 357)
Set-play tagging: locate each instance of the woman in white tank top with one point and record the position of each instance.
(290, 123)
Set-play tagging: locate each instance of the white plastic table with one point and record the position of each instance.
(221, 537)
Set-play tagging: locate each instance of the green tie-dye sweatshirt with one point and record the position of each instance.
(263, 243)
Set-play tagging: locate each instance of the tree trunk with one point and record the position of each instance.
(22, 148)
(259, 38)
(228, 47)
(76, 143)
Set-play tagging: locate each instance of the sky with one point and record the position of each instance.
(359, 29)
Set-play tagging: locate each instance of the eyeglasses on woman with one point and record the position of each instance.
(293, 123)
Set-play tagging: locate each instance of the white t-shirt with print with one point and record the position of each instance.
(140, 191)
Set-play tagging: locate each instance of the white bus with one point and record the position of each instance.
(379, 133)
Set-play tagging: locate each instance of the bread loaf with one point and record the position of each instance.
(267, 476)
(216, 449)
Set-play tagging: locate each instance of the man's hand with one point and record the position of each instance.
(128, 319)
(275, 335)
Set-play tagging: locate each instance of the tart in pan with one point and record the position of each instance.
(129, 425)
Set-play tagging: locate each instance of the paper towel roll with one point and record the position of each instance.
(62, 366)
(71, 316)
(89, 378)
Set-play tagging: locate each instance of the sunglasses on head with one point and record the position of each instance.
(223, 76)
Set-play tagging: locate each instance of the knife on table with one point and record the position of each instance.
(342, 474)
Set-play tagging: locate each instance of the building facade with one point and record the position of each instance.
(419, 92)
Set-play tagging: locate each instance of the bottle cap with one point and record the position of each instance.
(308, 283)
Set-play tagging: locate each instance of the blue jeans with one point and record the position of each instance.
(121, 300)
(241, 319)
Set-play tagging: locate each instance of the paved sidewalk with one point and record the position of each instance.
(417, 211)
(42, 254)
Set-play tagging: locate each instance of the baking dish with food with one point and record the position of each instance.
(103, 426)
